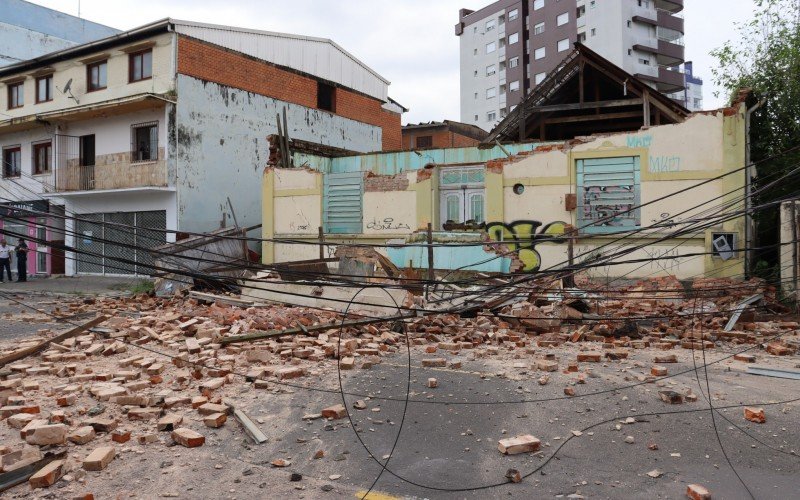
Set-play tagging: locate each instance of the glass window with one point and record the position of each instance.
(476, 207)
(491, 24)
(96, 75)
(491, 92)
(491, 47)
(12, 162)
(538, 29)
(140, 65)
(513, 14)
(513, 62)
(44, 88)
(453, 208)
(491, 116)
(513, 38)
(539, 53)
(513, 86)
(16, 95)
(144, 142)
(562, 19)
(42, 157)
(539, 78)
(491, 69)
(563, 45)
(538, 4)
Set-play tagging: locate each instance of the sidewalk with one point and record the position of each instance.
(77, 285)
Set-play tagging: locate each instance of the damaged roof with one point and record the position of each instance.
(586, 94)
(461, 128)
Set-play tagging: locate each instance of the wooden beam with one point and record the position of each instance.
(616, 103)
(646, 108)
(593, 118)
(580, 82)
(667, 112)
(24, 353)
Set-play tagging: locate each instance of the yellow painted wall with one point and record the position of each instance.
(672, 158)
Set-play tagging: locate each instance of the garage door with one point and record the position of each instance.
(117, 242)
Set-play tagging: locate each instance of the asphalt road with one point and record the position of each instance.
(450, 450)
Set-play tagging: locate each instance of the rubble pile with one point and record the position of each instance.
(96, 394)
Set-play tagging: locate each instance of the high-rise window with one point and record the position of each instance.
(513, 38)
(538, 4)
(491, 47)
(563, 45)
(562, 19)
(513, 86)
(513, 62)
(538, 29)
(42, 157)
(491, 69)
(539, 53)
(539, 78)
(513, 14)
(491, 116)
(491, 92)
(491, 24)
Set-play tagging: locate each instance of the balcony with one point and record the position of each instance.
(667, 53)
(74, 177)
(669, 5)
(667, 81)
(667, 20)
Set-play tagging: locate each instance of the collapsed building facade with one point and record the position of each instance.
(592, 153)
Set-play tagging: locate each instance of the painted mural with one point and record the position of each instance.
(523, 236)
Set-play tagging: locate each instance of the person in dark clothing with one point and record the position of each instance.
(5, 259)
(22, 261)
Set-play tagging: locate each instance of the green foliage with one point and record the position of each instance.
(766, 58)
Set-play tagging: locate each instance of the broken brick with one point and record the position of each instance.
(756, 415)
(520, 444)
(697, 492)
(47, 475)
(99, 458)
(188, 438)
(334, 412)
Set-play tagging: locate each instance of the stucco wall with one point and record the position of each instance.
(698, 161)
(222, 148)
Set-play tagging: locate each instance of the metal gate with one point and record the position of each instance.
(117, 242)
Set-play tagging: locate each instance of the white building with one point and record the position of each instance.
(131, 140)
(509, 46)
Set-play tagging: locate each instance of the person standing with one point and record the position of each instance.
(22, 260)
(5, 259)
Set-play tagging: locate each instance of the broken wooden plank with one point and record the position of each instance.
(24, 353)
(250, 428)
(21, 475)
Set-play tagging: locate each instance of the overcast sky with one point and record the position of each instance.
(410, 42)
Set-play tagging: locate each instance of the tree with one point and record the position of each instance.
(766, 58)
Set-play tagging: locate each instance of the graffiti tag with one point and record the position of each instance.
(522, 237)
(639, 141)
(387, 224)
(665, 164)
(609, 206)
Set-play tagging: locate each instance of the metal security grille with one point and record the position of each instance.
(608, 194)
(342, 202)
(127, 235)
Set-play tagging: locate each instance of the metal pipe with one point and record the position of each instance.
(748, 221)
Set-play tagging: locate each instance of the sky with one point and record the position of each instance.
(411, 43)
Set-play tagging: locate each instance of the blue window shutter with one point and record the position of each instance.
(608, 194)
(342, 203)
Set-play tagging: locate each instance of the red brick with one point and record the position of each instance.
(755, 415)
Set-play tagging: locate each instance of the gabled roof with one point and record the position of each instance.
(586, 94)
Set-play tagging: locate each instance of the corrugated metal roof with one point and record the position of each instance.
(320, 57)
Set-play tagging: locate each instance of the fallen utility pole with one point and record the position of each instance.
(306, 329)
(24, 353)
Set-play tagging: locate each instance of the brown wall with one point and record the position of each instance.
(442, 138)
(216, 64)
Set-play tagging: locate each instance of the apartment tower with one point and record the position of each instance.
(509, 46)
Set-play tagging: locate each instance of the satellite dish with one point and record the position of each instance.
(68, 85)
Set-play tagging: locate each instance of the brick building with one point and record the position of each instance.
(445, 134)
(164, 130)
